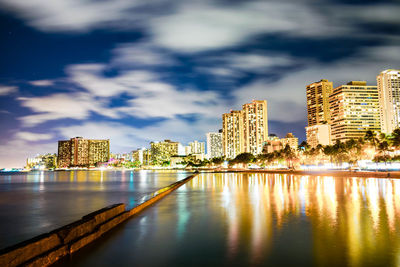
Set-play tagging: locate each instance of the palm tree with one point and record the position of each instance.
(383, 148)
(289, 155)
(395, 138)
(370, 137)
(328, 151)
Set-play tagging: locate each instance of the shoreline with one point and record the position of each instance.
(335, 173)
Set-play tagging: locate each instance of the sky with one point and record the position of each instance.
(138, 71)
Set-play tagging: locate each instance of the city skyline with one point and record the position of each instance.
(133, 77)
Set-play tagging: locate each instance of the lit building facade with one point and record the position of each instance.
(214, 145)
(255, 126)
(188, 150)
(388, 83)
(47, 161)
(245, 130)
(138, 155)
(318, 134)
(197, 147)
(81, 152)
(290, 140)
(162, 151)
(318, 102)
(272, 145)
(354, 110)
(233, 133)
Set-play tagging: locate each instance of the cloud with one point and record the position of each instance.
(201, 25)
(235, 65)
(145, 97)
(257, 62)
(6, 90)
(62, 106)
(89, 77)
(148, 97)
(71, 15)
(141, 54)
(29, 136)
(167, 102)
(42, 83)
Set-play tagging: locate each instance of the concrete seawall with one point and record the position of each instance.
(46, 249)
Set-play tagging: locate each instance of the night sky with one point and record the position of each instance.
(137, 71)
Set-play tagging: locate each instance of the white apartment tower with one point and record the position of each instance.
(214, 145)
(388, 82)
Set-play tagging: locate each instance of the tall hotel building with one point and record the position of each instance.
(214, 145)
(80, 152)
(318, 102)
(388, 82)
(232, 133)
(354, 110)
(245, 130)
(318, 113)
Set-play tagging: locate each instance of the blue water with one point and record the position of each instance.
(260, 220)
(38, 202)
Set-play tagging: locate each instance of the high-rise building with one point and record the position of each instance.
(162, 151)
(197, 147)
(80, 152)
(245, 130)
(354, 110)
(214, 145)
(255, 126)
(318, 134)
(318, 102)
(388, 82)
(233, 133)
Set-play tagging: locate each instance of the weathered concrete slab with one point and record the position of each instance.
(48, 258)
(29, 249)
(88, 223)
(83, 241)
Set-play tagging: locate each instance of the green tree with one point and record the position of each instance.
(244, 158)
(395, 138)
(383, 149)
(371, 138)
(289, 156)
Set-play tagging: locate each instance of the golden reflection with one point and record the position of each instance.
(351, 220)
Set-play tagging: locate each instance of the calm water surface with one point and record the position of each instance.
(260, 219)
(37, 202)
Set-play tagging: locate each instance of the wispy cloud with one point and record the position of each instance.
(62, 106)
(42, 83)
(30, 136)
(7, 90)
(202, 25)
(141, 54)
(71, 15)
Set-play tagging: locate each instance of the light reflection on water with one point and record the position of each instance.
(347, 225)
(261, 219)
(36, 202)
